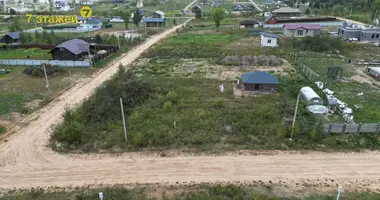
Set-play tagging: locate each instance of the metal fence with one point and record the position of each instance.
(351, 128)
(61, 63)
(68, 30)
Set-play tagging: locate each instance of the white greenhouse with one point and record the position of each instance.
(311, 97)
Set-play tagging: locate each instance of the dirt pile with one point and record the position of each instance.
(253, 60)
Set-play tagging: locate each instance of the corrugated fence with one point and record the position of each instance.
(351, 128)
(323, 24)
(61, 63)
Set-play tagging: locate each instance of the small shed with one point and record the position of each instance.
(249, 24)
(311, 97)
(12, 37)
(268, 39)
(158, 14)
(374, 72)
(260, 81)
(271, 19)
(196, 9)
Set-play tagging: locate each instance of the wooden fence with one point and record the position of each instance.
(351, 128)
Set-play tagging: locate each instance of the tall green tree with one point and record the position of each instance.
(218, 16)
(375, 9)
(16, 25)
(24, 39)
(137, 17)
(126, 17)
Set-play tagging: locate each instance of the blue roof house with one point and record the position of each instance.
(269, 39)
(259, 82)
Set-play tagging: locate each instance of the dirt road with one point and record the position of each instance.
(25, 161)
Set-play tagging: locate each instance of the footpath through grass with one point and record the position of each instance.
(196, 192)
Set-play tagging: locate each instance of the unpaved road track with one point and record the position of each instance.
(26, 162)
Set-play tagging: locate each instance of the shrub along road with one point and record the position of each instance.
(25, 161)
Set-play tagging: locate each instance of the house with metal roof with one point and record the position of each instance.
(74, 49)
(302, 30)
(260, 81)
(155, 22)
(270, 19)
(268, 39)
(249, 24)
(12, 37)
(286, 12)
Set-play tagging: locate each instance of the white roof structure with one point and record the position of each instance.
(309, 94)
(375, 69)
(287, 10)
(160, 12)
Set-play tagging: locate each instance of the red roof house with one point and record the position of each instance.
(302, 30)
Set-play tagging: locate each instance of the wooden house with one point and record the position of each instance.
(260, 81)
(74, 49)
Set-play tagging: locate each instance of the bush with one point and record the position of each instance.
(172, 96)
(218, 102)
(168, 106)
(317, 44)
(39, 70)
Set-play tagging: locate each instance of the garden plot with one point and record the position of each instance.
(171, 103)
(209, 69)
(361, 89)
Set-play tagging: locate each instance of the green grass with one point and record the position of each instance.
(2, 130)
(364, 17)
(187, 111)
(347, 92)
(320, 65)
(33, 53)
(204, 191)
(18, 88)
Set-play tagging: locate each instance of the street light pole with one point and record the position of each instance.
(295, 115)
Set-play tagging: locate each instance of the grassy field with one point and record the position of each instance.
(215, 192)
(171, 9)
(18, 88)
(180, 106)
(29, 54)
(364, 17)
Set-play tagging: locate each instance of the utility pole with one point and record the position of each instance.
(122, 114)
(145, 28)
(295, 115)
(340, 189)
(46, 78)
